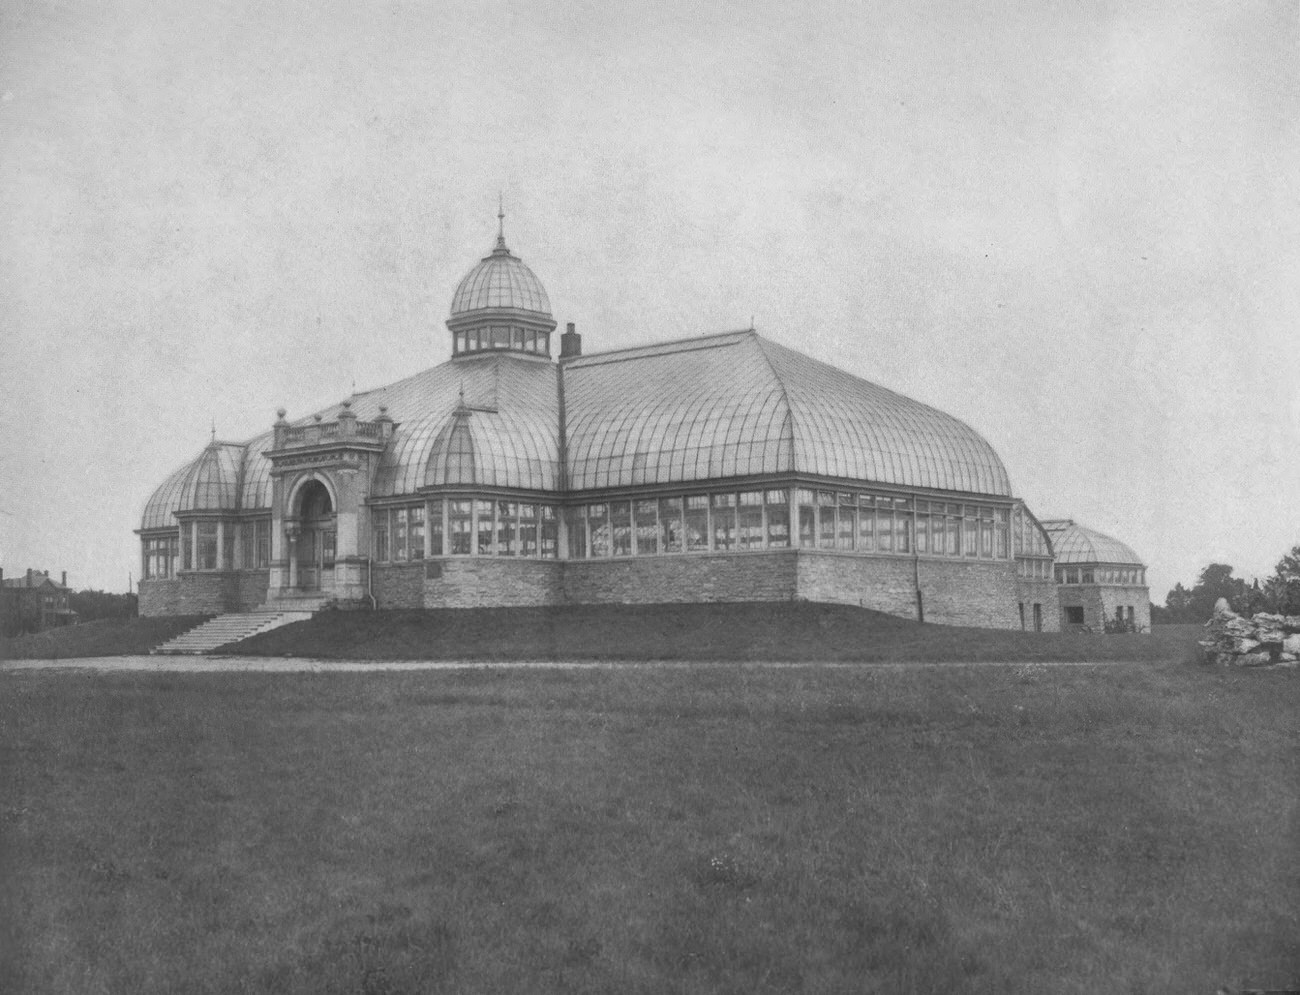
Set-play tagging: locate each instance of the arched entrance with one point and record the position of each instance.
(315, 546)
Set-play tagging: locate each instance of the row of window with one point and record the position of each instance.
(749, 520)
(1134, 576)
(208, 544)
(1123, 615)
(1030, 569)
(503, 337)
(465, 526)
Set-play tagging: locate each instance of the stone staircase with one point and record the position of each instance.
(226, 629)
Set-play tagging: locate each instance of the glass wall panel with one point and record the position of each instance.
(749, 520)
(670, 521)
(460, 519)
(399, 535)
(620, 524)
(923, 526)
(826, 519)
(507, 523)
(866, 523)
(247, 548)
(697, 522)
(528, 530)
(187, 548)
(986, 533)
(598, 529)
(847, 515)
(807, 519)
(484, 526)
(435, 527)
(647, 527)
(1000, 535)
(414, 532)
(207, 546)
(953, 546)
(903, 525)
(228, 546)
(970, 532)
(777, 509)
(550, 533)
(576, 524)
(381, 536)
(885, 524)
(724, 521)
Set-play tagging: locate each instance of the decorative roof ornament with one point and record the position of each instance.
(501, 249)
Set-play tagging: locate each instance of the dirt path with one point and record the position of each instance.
(303, 665)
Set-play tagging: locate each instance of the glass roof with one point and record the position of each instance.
(1075, 543)
(216, 481)
(736, 404)
(500, 280)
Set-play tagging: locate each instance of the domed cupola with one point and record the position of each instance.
(500, 305)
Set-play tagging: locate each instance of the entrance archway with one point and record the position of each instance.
(317, 539)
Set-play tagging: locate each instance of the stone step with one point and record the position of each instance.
(226, 629)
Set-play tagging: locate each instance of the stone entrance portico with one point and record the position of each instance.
(320, 476)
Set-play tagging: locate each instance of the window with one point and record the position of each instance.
(903, 524)
(206, 555)
(847, 521)
(749, 520)
(954, 530)
(414, 532)
(777, 506)
(970, 533)
(923, 538)
(484, 526)
(1038, 617)
(724, 521)
(598, 529)
(435, 528)
(647, 527)
(459, 527)
(507, 524)
(550, 532)
(986, 533)
(885, 524)
(697, 523)
(866, 523)
(807, 519)
(620, 523)
(1022, 616)
(1074, 615)
(825, 520)
(381, 537)
(1130, 616)
(576, 522)
(670, 521)
(1087, 576)
(399, 535)
(228, 546)
(528, 530)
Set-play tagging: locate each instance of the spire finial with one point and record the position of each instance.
(501, 221)
(214, 431)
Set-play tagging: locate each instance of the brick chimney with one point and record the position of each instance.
(570, 342)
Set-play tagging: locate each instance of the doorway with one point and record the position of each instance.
(317, 539)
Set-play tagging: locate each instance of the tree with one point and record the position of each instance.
(90, 605)
(1216, 581)
(1282, 589)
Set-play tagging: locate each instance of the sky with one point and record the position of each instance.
(1075, 226)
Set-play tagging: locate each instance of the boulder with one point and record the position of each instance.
(1254, 659)
(1291, 644)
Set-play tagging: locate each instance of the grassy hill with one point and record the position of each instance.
(791, 631)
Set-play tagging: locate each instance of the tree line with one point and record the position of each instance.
(1279, 593)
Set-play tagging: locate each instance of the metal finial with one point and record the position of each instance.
(501, 221)
(214, 431)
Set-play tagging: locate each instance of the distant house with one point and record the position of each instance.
(34, 602)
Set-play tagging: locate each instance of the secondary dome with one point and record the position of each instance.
(1075, 543)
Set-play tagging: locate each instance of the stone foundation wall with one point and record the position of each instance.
(206, 593)
(1043, 593)
(398, 585)
(757, 576)
(485, 581)
(1099, 602)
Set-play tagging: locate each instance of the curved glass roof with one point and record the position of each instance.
(500, 280)
(226, 476)
(1075, 543)
(735, 404)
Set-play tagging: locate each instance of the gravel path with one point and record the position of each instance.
(303, 665)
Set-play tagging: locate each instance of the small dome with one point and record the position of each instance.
(1075, 543)
(500, 280)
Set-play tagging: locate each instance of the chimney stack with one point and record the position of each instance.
(29, 576)
(65, 579)
(570, 343)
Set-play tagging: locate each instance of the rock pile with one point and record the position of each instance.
(1261, 641)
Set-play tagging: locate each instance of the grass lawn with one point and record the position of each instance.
(103, 637)
(778, 631)
(721, 829)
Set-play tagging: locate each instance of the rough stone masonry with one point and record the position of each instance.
(1263, 640)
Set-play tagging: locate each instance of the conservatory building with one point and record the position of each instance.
(726, 467)
(1102, 583)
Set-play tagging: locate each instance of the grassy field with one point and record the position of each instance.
(722, 829)
(104, 637)
(784, 631)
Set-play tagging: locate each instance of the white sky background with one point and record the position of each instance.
(1075, 226)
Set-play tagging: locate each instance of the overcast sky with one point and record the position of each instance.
(1073, 225)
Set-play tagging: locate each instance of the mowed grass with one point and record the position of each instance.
(792, 631)
(660, 829)
(102, 637)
